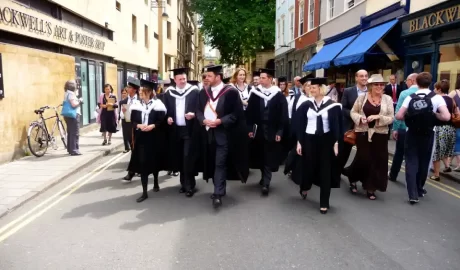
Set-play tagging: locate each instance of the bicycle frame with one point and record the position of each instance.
(42, 121)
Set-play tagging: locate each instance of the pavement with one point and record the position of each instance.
(453, 176)
(99, 225)
(25, 178)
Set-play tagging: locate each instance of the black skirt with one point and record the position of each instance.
(148, 155)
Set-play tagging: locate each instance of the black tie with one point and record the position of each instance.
(319, 122)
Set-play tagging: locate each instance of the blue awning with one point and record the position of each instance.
(354, 53)
(324, 57)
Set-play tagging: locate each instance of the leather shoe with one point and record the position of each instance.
(265, 190)
(182, 190)
(217, 201)
(190, 193)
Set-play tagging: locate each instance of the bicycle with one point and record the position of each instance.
(43, 136)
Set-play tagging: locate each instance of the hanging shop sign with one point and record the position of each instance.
(434, 19)
(15, 18)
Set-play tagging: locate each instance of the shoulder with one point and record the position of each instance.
(159, 106)
(348, 89)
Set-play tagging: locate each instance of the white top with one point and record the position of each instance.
(209, 110)
(312, 117)
(180, 108)
(290, 101)
(145, 109)
(130, 101)
(70, 95)
(244, 93)
(437, 100)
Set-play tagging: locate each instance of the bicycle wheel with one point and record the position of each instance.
(63, 133)
(37, 139)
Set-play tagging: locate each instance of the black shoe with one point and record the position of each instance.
(156, 189)
(413, 201)
(104, 142)
(76, 154)
(190, 193)
(265, 190)
(217, 201)
(142, 198)
(128, 177)
(182, 190)
(126, 151)
(303, 195)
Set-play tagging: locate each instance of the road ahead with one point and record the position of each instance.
(100, 226)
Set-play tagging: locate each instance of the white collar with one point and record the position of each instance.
(153, 104)
(217, 87)
(181, 90)
(324, 100)
(301, 100)
(260, 91)
(184, 93)
(237, 88)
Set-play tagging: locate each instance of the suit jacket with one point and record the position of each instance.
(389, 91)
(349, 97)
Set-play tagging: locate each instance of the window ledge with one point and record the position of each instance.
(309, 31)
(341, 14)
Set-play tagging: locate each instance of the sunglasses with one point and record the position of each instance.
(379, 84)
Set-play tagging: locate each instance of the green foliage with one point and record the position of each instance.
(237, 28)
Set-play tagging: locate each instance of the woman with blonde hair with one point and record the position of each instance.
(238, 80)
(319, 133)
(372, 114)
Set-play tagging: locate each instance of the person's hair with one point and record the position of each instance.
(110, 86)
(412, 76)
(424, 80)
(322, 89)
(203, 76)
(70, 85)
(234, 78)
(148, 91)
(124, 90)
(443, 85)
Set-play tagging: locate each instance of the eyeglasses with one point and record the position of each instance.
(379, 84)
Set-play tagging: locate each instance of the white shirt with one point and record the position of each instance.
(313, 117)
(290, 101)
(244, 93)
(180, 108)
(436, 100)
(215, 91)
(130, 101)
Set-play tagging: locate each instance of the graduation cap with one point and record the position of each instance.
(148, 84)
(269, 72)
(179, 71)
(319, 81)
(214, 68)
(133, 82)
(226, 80)
(282, 79)
(255, 74)
(193, 82)
(305, 79)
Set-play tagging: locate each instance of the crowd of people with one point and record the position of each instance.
(223, 127)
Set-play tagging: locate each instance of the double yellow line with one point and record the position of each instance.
(20, 222)
(443, 187)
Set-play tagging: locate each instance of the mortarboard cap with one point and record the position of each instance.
(226, 80)
(305, 79)
(213, 68)
(149, 84)
(318, 81)
(282, 79)
(255, 74)
(133, 82)
(193, 82)
(179, 71)
(269, 72)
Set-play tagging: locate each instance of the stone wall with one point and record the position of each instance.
(263, 57)
(32, 79)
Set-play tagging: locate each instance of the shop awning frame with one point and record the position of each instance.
(355, 51)
(325, 56)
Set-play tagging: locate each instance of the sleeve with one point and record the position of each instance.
(284, 117)
(439, 100)
(387, 118)
(405, 103)
(231, 118)
(397, 123)
(136, 118)
(200, 108)
(345, 110)
(355, 111)
(301, 121)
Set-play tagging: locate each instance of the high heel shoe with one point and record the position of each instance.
(303, 195)
(323, 210)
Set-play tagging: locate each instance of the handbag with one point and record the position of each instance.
(67, 109)
(455, 116)
(350, 137)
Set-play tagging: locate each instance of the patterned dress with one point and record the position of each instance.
(445, 136)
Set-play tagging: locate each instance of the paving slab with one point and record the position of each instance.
(23, 179)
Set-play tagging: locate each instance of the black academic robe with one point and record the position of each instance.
(303, 169)
(232, 131)
(175, 151)
(149, 147)
(278, 120)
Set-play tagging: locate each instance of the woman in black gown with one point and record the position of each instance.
(319, 134)
(148, 154)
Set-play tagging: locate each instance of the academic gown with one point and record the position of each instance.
(316, 158)
(264, 145)
(175, 155)
(230, 110)
(149, 151)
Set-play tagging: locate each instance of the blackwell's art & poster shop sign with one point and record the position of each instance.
(12, 17)
(434, 19)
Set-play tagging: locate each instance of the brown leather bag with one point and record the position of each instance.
(455, 116)
(350, 137)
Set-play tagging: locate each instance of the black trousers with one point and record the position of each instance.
(187, 177)
(127, 134)
(220, 172)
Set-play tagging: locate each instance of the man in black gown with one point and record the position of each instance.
(220, 113)
(181, 102)
(267, 118)
(127, 128)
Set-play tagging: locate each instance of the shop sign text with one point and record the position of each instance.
(12, 17)
(442, 17)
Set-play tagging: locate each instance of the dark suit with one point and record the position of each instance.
(349, 97)
(126, 128)
(298, 91)
(389, 91)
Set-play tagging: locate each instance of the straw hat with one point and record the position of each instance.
(376, 78)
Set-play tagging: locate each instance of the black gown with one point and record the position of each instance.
(318, 164)
(175, 147)
(263, 149)
(149, 148)
(108, 118)
(230, 108)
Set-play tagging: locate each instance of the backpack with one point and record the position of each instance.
(420, 116)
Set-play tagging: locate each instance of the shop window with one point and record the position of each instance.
(134, 27)
(168, 30)
(449, 63)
